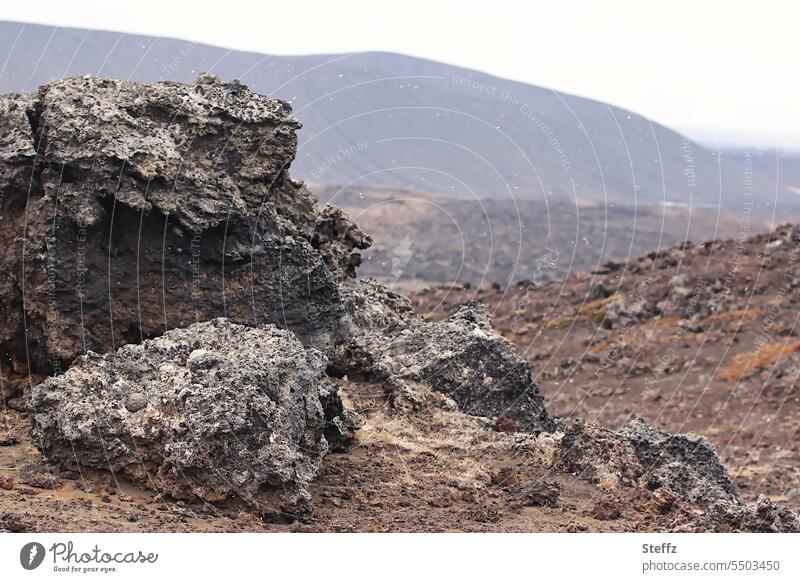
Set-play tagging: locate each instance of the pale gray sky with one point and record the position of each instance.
(706, 67)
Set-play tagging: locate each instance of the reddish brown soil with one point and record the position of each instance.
(436, 471)
(720, 361)
(725, 366)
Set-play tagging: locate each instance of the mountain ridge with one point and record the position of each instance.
(388, 120)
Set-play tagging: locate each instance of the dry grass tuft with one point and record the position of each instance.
(560, 323)
(590, 308)
(745, 365)
(594, 311)
(739, 314)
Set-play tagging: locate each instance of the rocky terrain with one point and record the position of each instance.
(186, 347)
(700, 338)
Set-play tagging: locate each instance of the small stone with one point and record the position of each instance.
(539, 494)
(686, 464)
(39, 475)
(135, 401)
(184, 512)
(606, 509)
(7, 439)
(442, 497)
(505, 477)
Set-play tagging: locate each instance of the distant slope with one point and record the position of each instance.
(391, 120)
(424, 239)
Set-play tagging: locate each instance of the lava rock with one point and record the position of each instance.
(7, 438)
(130, 209)
(762, 517)
(598, 455)
(462, 357)
(220, 410)
(683, 463)
(39, 475)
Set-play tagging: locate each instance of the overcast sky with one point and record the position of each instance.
(705, 67)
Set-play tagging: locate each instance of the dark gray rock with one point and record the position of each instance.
(762, 517)
(132, 209)
(462, 357)
(213, 410)
(683, 463)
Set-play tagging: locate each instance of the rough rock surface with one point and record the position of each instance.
(763, 517)
(707, 342)
(373, 307)
(212, 410)
(462, 357)
(599, 455)
(683, 463)
(131, 209)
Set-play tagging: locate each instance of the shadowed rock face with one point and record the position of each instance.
(132, 209)
(212, 410)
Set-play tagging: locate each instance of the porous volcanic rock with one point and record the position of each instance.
(213, 410)
(598, 455)
(462, 357)
(683, 463)
(131, 209)
(373, 307)
(762, 517)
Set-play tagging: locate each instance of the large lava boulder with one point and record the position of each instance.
(132, 209)
(213, 410)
